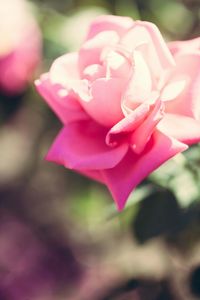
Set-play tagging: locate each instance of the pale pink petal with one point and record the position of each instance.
(146, 37)
(173, 89)
(184, 46)
(188, 102)
(139, 86)
(64, 69)
(117, 64)
(105, 103)
(90, 52)
(122, 179)
(81, 146)
(109, 22)
(64, 105)
(93, 72)
(184, 129)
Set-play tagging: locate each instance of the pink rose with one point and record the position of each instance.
(126, 104)
(20, 47)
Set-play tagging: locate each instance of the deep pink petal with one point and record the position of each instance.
(184, 129)
(65, 106)
(93, 174)
(81, 145)
(122, 179)
(129, 123)
(105, 103)
(109, 22)
(188, 102)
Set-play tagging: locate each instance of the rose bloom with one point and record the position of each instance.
(126, 103)
(20, 45)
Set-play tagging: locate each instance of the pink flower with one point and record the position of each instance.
(126, 104)
(20, 47)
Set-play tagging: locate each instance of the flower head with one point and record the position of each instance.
(127, 104)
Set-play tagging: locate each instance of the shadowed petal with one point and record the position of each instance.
(93, 174)
(81, 145)
(122, 179)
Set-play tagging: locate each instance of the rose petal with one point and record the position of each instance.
(104, 106)
(90, 52)
(142, 134)
(81, 145)
(173, 89)
(65, 106)
(122, 179)
(184, 46)
(146, 37)
(128, 124)
(93, 72)
(117, 65)
(184, 129)
(109, 22)
(93, 174)
(187, 103)
(65, 69)
(139, 87)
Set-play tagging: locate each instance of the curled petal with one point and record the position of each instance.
(90, 52)
(106, 22)
(81, 146)
(122, 179)
(65, 69)
(128, 124)
(142, 134)
(65, 106)
(184, 129)
(146, 37)
(117, 65)
(93, 72)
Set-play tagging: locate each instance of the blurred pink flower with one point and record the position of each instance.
(126, 104)
(20, 47)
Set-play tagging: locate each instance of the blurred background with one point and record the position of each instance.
(60, 235)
